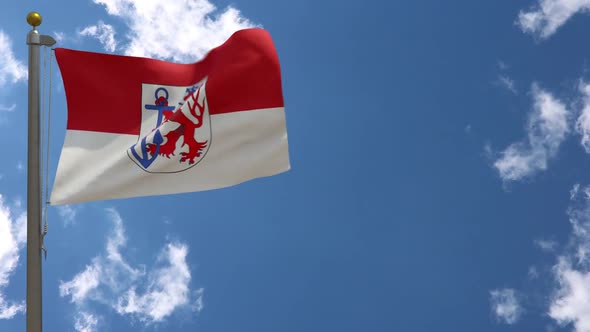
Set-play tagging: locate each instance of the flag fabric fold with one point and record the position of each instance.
(142, 127)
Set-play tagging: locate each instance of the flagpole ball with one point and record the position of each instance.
(34, 19)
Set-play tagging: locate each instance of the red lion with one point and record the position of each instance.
(186, 129)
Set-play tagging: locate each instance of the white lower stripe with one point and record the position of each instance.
(244, 145)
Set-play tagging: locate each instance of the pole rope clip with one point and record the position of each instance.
(43, 248)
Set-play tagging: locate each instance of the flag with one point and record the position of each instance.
(142, 127)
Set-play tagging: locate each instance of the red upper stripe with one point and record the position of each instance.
(103, 91)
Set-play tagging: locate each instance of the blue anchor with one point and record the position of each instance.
(160, 106)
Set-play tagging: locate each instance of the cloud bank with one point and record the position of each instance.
(178, 30)
(13, 237)
(146, 295)
(571, 273)
(568, 294)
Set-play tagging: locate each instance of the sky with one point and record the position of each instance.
(439, 175)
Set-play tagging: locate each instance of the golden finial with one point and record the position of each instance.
(34, 19)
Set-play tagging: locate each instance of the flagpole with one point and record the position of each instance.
(34, 284)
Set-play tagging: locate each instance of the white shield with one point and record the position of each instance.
(175, 129)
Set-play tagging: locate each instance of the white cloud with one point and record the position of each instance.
(149, 296)
(583, 122)
(505, 305)
(546, 245)
(569, 303)
(105, 33)
(86, 322)
(10, 108)
(59, 36)
(190, 28)
(109, 271)
(13, 237)
(199, 303)
(82, 284)
(547, 129)
(67, 213)
(579, 217)
(11, 69)
(117, 265)
(569, 298)
(507, 83)
(547, 16)
(167, 288)
(9, 310)
(574, 191)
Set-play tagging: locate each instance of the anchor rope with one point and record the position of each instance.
(42, 123)
(46, 139)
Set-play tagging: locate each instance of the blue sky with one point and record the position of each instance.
(439, 181)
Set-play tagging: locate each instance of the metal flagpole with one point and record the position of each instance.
(34, 303)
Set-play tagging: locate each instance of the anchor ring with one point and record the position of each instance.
(161, 89)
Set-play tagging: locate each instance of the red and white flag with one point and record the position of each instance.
(142, 127)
